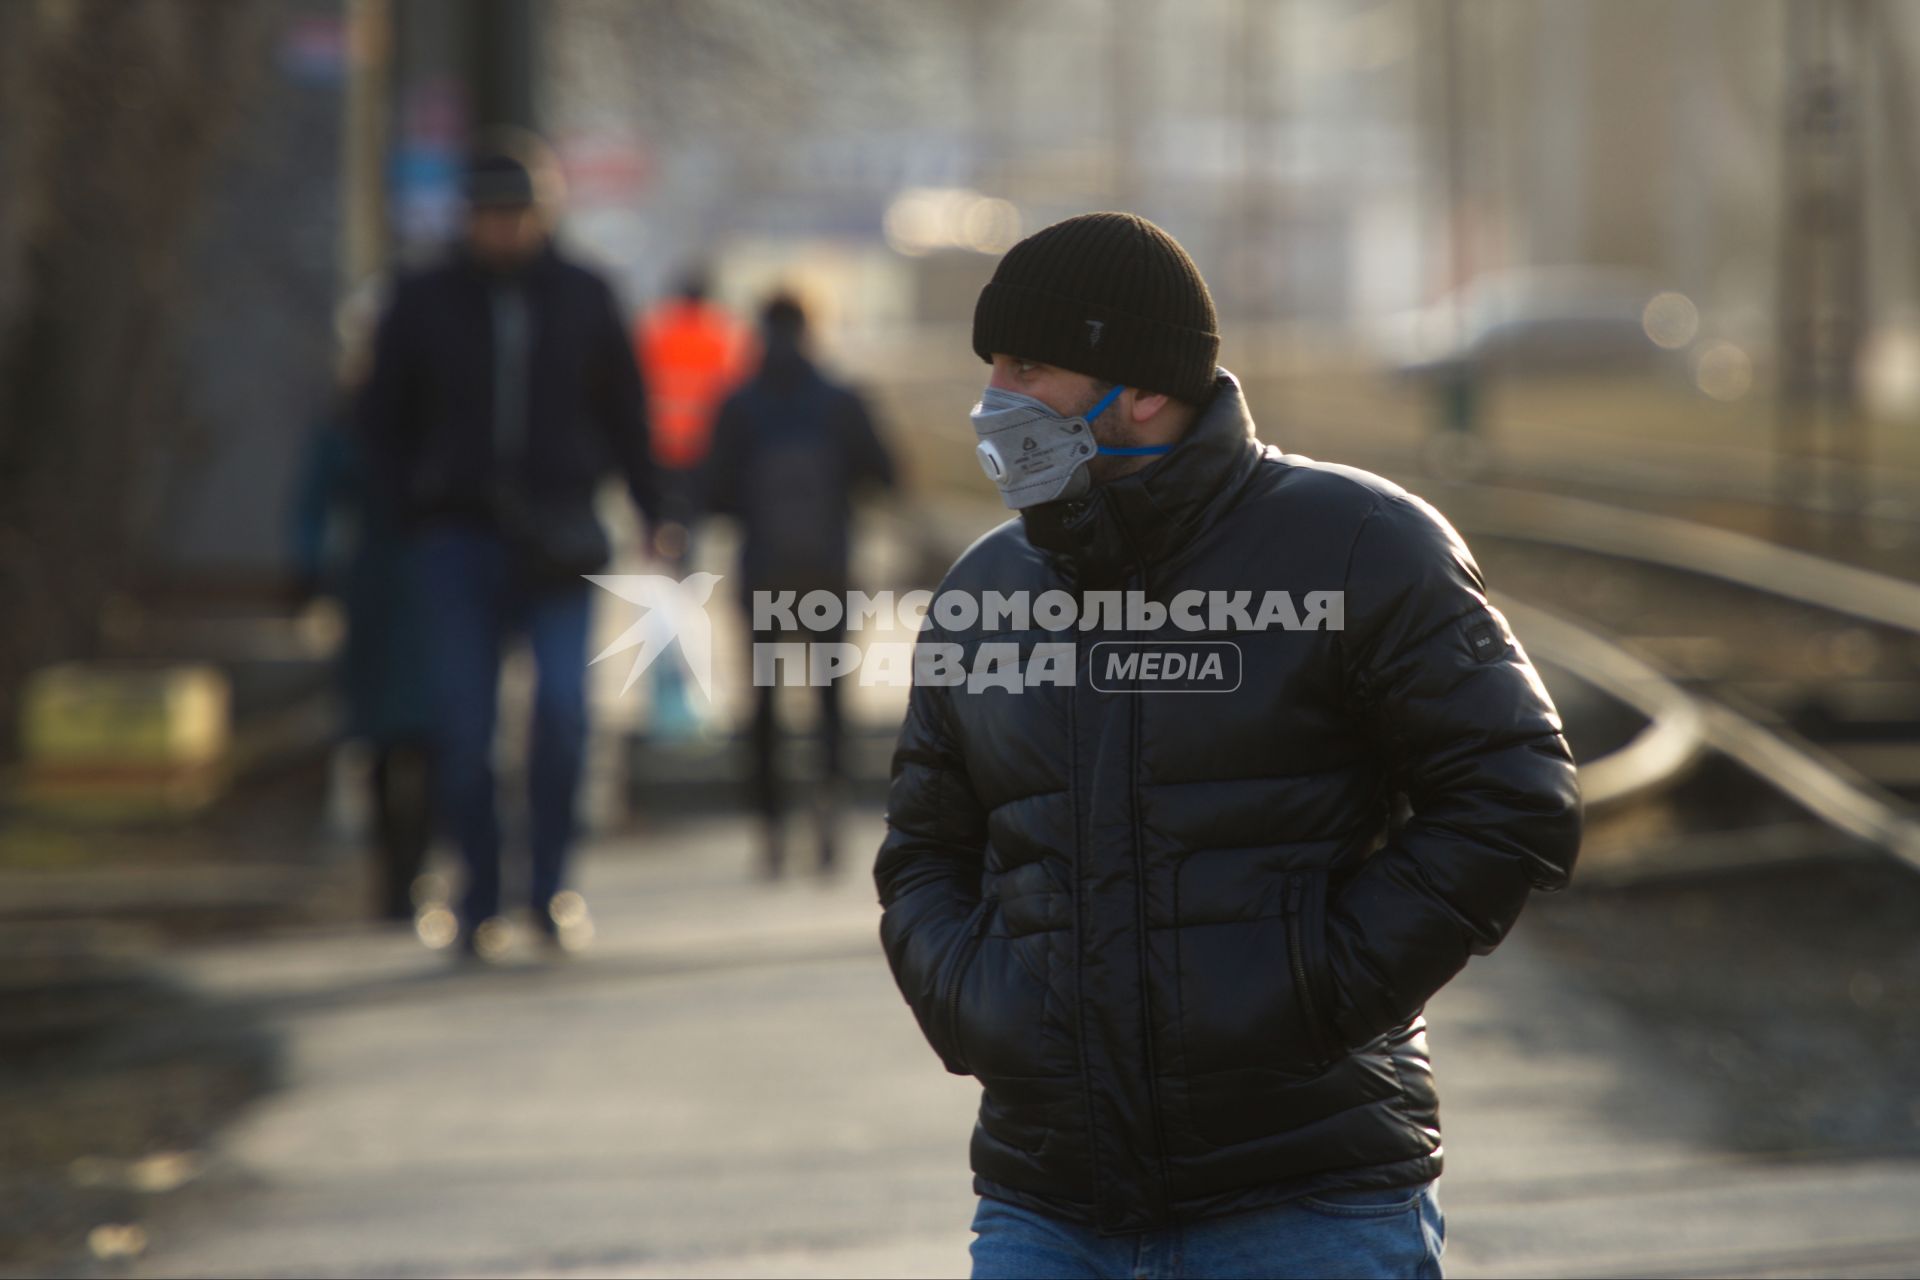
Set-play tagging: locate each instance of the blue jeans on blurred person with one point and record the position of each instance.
(1397, 1233)
(476, 602)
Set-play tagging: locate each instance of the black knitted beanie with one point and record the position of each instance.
(1109, 295)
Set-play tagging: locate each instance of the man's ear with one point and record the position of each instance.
(1147, 404)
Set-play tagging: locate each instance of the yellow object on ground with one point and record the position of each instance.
(115, 742)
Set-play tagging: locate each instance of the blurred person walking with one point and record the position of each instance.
(1184, 941)
(790, 448)
(503, 390)
(693, 355)
(345, 545)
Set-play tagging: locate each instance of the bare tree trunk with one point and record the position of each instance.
(112, 113)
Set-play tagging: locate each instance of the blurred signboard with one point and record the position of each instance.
(114, 741)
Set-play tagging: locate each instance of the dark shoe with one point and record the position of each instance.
(826, 819)
(829, 860)
(773, 851)
(485, 943)
(563, 925)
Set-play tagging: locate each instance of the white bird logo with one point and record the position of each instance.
(672, 609)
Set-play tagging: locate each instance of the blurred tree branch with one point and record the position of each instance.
(111, 112)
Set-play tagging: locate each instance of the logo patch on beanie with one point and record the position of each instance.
(1093, 332)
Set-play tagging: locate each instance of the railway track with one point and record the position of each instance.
(1770, 689)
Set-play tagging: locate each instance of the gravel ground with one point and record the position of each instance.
(1794, 992)
(111, 1077)
(109, 1080)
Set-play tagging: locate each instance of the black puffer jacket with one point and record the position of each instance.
(1184, 938)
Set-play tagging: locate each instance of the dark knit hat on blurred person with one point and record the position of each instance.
(1109, 295)
(498, 181)
(513, 168)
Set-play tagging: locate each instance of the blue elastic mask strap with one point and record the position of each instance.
(1106, 403)
(1144, 451)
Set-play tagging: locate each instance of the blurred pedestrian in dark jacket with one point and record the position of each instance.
(503, 390)
(789, 449)
(346, 546)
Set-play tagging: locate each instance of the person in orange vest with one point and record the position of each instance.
(693, 354)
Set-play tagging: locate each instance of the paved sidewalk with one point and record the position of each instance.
(728, 1085)
(727, 1082)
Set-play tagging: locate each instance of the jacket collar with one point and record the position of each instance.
(534, 270)
(1150, 515)
(783, 364)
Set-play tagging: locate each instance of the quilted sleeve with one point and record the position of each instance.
(1467, 731)
(928, 871)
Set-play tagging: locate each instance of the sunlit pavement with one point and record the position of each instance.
(727, 1084)
(726, 1081)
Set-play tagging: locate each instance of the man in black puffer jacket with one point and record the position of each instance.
(1183, 931)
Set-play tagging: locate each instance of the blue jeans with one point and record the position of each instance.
(1394, 1233)
(475, 602)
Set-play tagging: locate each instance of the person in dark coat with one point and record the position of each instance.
(1182, 931)
(503, 389)
(790, 449)
(345, 546)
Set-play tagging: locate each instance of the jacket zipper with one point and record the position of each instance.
(1081, 1034)
(975, 930)
(1296, 954)
(1138, 581)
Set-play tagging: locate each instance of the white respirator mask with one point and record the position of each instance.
(1033, 455)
